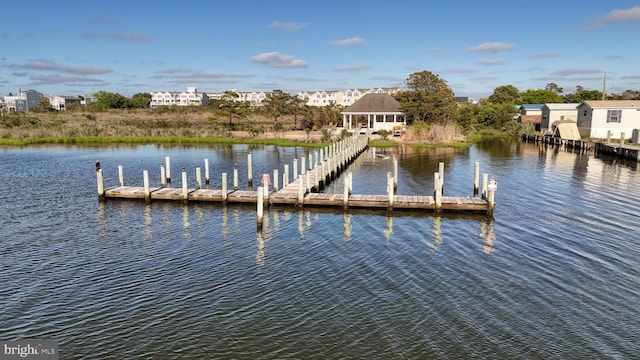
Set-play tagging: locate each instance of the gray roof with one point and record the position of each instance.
(370, 103)
(562, 106)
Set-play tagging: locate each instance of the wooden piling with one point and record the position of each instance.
(438, 192)
(390, 190)
(285, 176)
(441, 172)
(295, 168)
(302, 165)
(235, 177)
(476, 177)
(121, 175)
(198, 178)
(185, 192)
(260, 206)
(206, 171)
(485, 180)
(147, 188)
(163, 176)
(265, 185)
(300, 192)
(249, 171)
(492, 187)
(100, 180)
(345, 193)
(395, 175)
(167, 164)
(276, 179)
(224, 187)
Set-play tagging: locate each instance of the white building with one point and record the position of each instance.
(373, 112)
(599, 117)
(556, 112)
(254, 98)
(24, 101)
(60, 102)
(343, 98)
(191, 97)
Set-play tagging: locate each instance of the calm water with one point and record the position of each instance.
(555, 274)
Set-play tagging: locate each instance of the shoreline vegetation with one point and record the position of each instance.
(140, 127)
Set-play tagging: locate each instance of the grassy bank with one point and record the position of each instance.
(188, 127)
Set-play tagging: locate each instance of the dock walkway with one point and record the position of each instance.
(306, 188)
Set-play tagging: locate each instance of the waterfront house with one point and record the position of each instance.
(60, 102)
(191, 97)
(530, 109)
(600, 118)
(553, 112)
(23, 101)
(344, 98)
(530, 114)
(373, 112)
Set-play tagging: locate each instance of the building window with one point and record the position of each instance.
(614, 116)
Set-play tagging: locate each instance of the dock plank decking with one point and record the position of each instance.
(304, 190)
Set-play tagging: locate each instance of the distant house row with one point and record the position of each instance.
(314, 98)
(26, 100)
(593, 118)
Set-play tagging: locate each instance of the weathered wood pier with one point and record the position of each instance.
(317, 171)
(607, 148)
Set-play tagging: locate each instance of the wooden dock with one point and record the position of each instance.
(626, 151)
(305, 190)
(583, 146)
(608, 148)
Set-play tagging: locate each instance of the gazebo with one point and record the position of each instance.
(374, 112)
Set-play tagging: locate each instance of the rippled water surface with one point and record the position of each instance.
(555, 273)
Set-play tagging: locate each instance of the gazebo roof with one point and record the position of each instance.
(374, 103)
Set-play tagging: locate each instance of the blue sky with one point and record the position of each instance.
(76, 48)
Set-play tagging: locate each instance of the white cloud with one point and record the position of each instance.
(276, 60)
(349, 42)
(491, 62)
(545, 55)
(352, 68)
(491, 47)
(118, 36)
(576, 71)
(78, 70)
(287, 26)
(616, 16)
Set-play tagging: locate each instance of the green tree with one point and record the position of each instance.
(44, 105)
(467, 116)
(494, 115)
(140, 101)
(540, 96)
(108, 100)
(229, 106)
(505, 94)
(299, 107)
(276, 104)
(554, 87)
(428, 99)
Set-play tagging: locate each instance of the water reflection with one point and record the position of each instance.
(260, 255)
(347, 226)
(389, 229)
(486, 232)
(437, 233)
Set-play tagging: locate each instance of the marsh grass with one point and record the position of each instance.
(146, 126)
